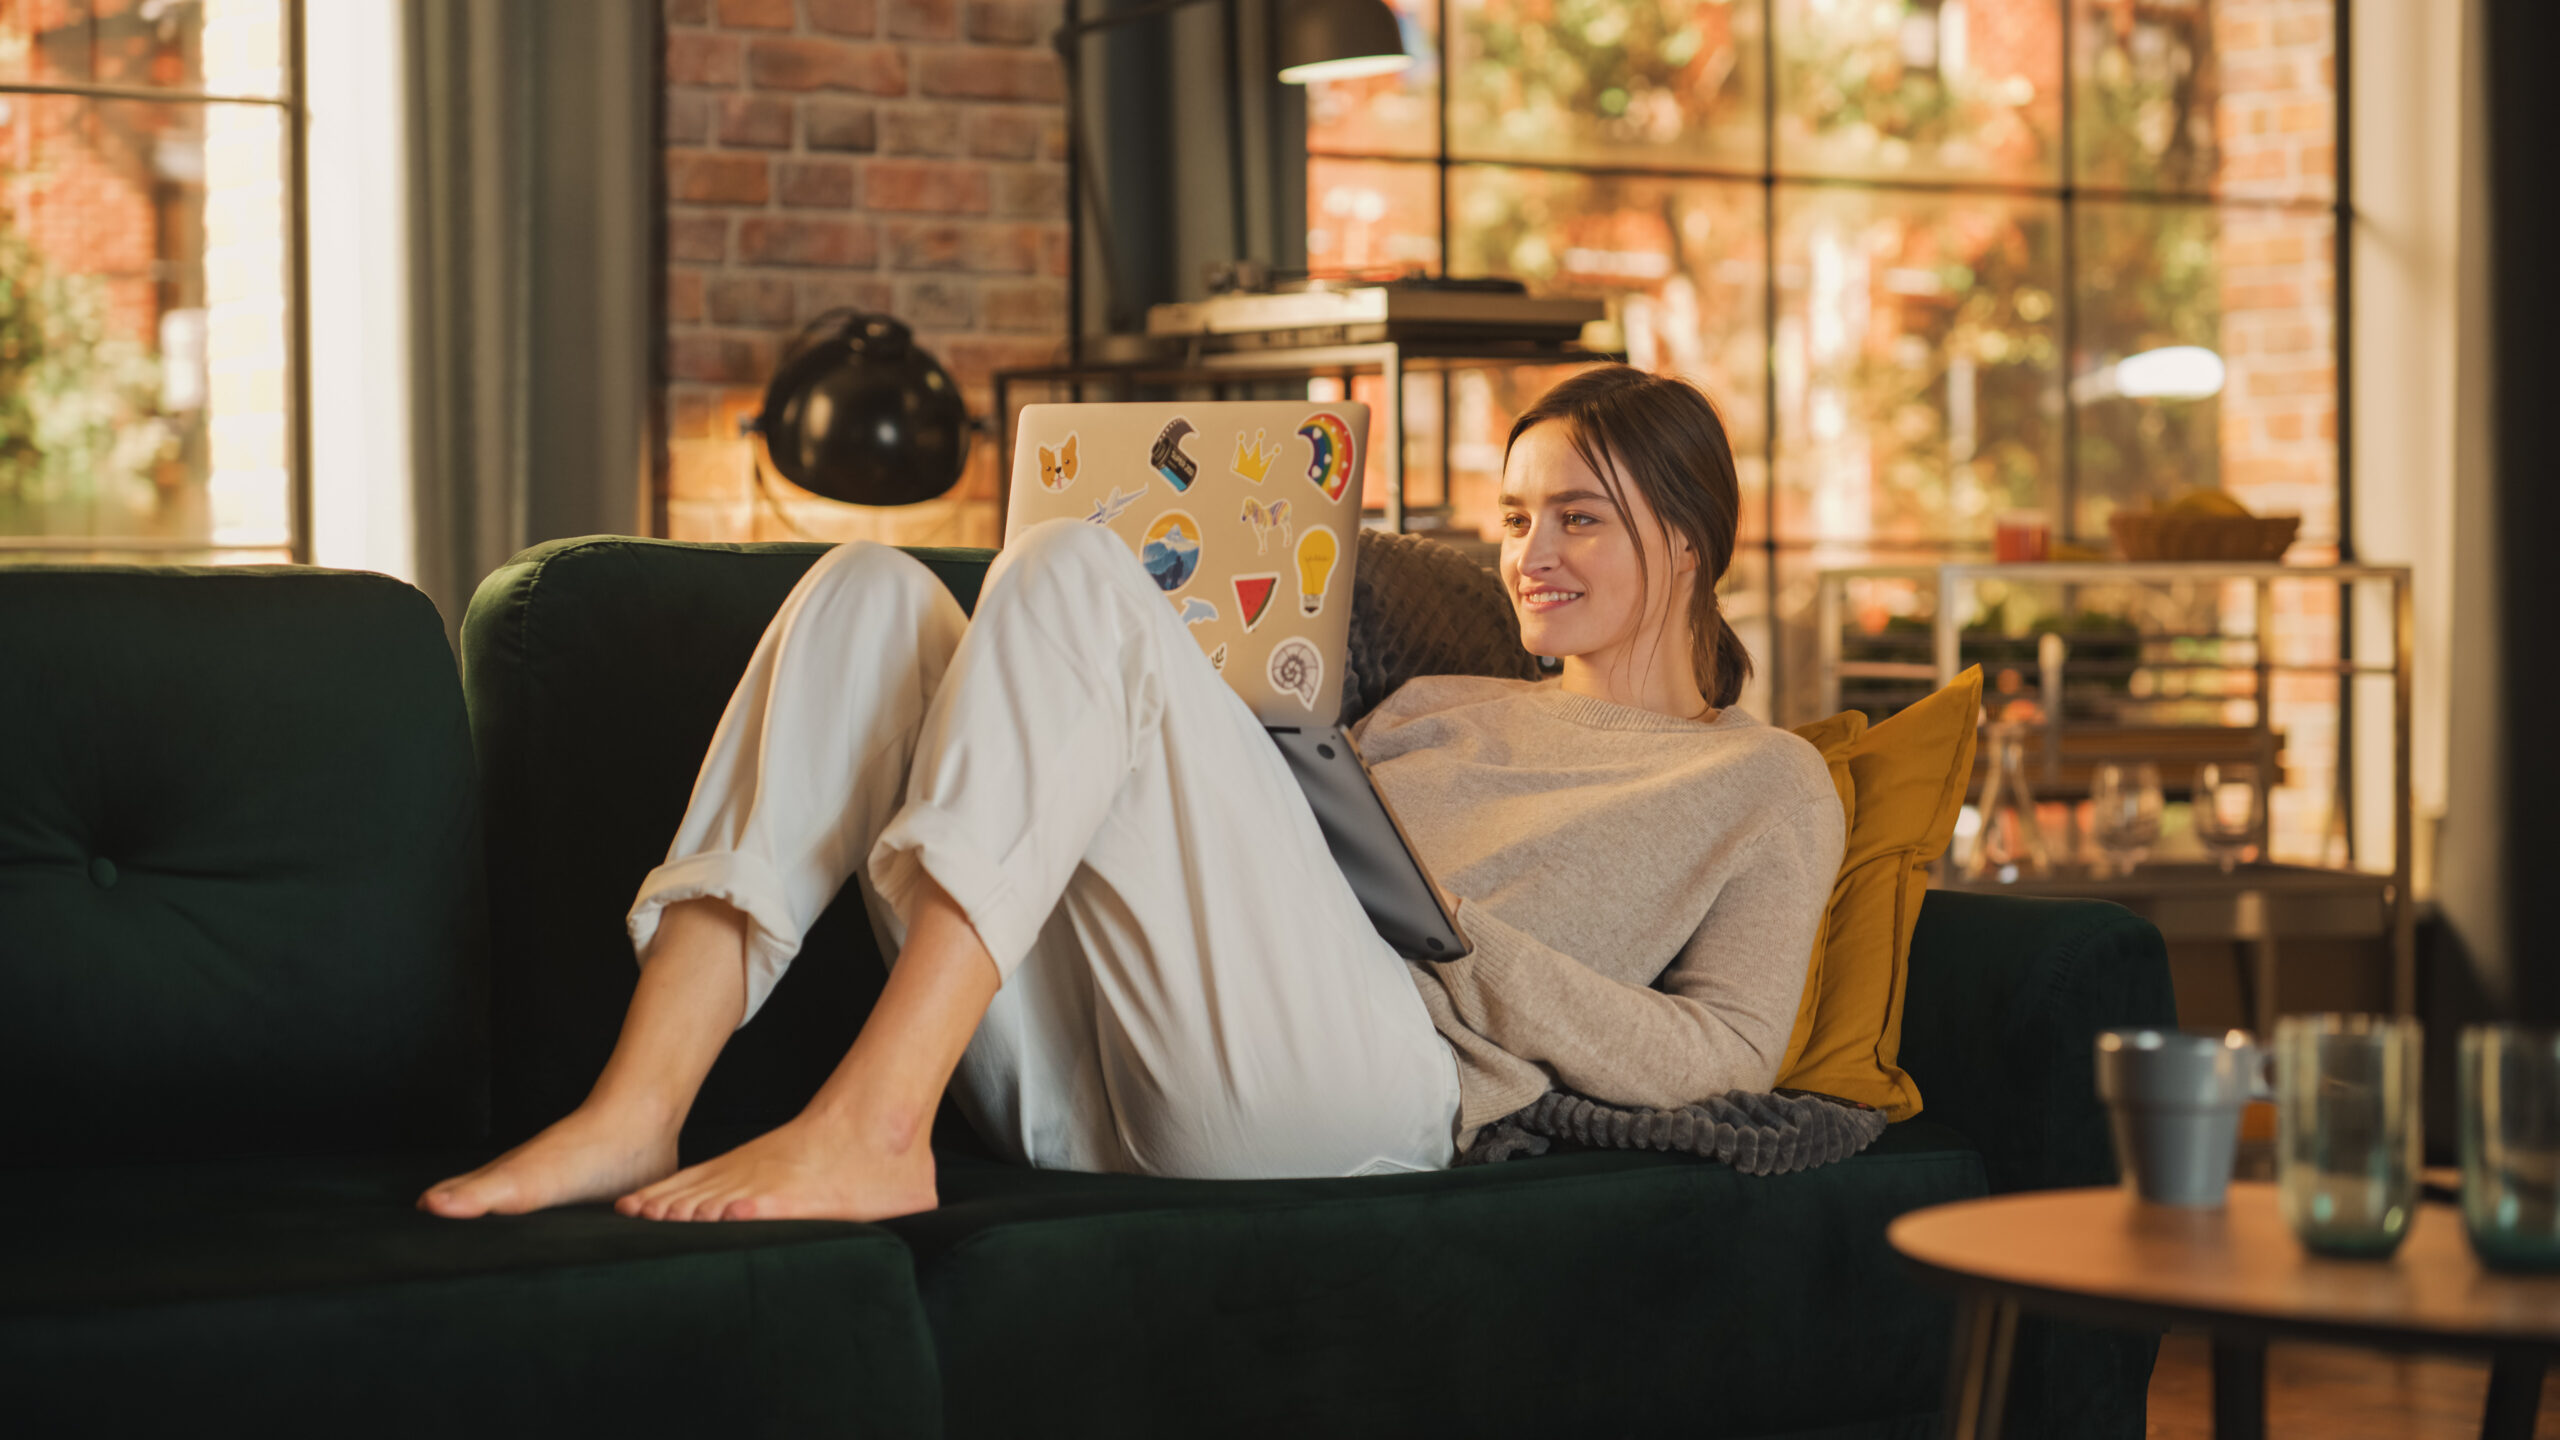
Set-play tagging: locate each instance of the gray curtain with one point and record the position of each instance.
(532, 156)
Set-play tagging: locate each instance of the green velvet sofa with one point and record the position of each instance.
(293, 920)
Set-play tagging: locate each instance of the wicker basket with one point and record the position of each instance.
(2143, 535)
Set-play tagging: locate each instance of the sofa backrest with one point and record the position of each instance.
(240, 878)
(596, 670)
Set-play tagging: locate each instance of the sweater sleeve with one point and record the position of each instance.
(1716, 1019)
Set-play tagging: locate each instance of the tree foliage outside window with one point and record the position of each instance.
(1919, 237)
(77, 402)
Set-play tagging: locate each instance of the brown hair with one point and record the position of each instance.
(1665, 436)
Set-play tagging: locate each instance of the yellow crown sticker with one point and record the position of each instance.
(1253, 460)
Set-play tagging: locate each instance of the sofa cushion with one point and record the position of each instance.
(240, 882)
(597, 669)
(1905, 781)
(1587, 1293)
(293, 1297)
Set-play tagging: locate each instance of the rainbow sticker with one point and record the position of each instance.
(1330, 467)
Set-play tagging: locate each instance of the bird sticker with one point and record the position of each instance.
(1170, 459)
(1266, 518)
(1196, 611)
(1329, 466)
(1058, 467)
(1106, 511)
(1253, 458)
(1253, 597)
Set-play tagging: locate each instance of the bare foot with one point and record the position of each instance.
(587, 1155)
(806, 1170)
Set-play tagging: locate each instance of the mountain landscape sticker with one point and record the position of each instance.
(1171, 551)
(1253, 597)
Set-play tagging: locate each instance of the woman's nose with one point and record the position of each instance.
(1537, 550)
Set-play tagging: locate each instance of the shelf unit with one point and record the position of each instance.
(2260, 904)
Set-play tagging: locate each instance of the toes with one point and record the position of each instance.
(457, 1199)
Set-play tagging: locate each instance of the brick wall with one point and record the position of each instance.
(904, 156)
(2279, 339)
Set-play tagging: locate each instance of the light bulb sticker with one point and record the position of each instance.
(1170, 459)
(1329, 464)
(1058, 467)
(1253, 597)
(1266, 518)
(1196, 611)
(1318, 549)
(1253, 458)
(1297, 668)
(1171, 551)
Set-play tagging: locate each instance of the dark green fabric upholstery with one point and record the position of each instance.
(597, 669)
(1578, 1294)
(240, 877)
(308, 1298)
(293, 964)
(2000, 1025)
(1585, 1294)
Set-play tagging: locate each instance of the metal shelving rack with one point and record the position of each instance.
(2259, 904)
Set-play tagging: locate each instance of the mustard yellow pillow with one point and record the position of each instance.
(1901, 784)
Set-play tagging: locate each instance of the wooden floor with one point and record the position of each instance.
(2336, 1394)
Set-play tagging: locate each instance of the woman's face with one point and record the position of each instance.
(1570, 562)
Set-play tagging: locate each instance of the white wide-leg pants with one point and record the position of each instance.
(1189, 986)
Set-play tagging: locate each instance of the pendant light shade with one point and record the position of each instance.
(1338, 40)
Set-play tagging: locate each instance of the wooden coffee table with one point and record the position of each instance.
(2101, 1256)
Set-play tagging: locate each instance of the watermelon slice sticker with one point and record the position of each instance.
(1253, 597)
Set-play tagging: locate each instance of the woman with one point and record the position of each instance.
(1116, 925)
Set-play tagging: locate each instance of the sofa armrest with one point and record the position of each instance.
(2005, 999)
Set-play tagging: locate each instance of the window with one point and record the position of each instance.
(151, 371)
(1934, 259)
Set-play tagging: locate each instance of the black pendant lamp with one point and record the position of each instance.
(860, 413)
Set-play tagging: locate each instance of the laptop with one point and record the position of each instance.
(1247, 515)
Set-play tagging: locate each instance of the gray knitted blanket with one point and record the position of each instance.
(1757, 1133)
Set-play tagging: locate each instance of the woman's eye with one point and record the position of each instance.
(1514, 522)
(1576, 517)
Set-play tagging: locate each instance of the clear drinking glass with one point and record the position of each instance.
(2124, 802)
(2510, 1090)
(2228, 809)
(2347, 1131)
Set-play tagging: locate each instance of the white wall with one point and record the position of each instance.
(360, 482)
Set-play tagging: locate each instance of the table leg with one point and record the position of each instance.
(2515, 1397)
(2239, 1389)
(1978, 1372)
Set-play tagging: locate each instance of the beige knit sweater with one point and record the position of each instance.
(1641, 891)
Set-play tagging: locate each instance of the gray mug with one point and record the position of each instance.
(2174, 1100)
